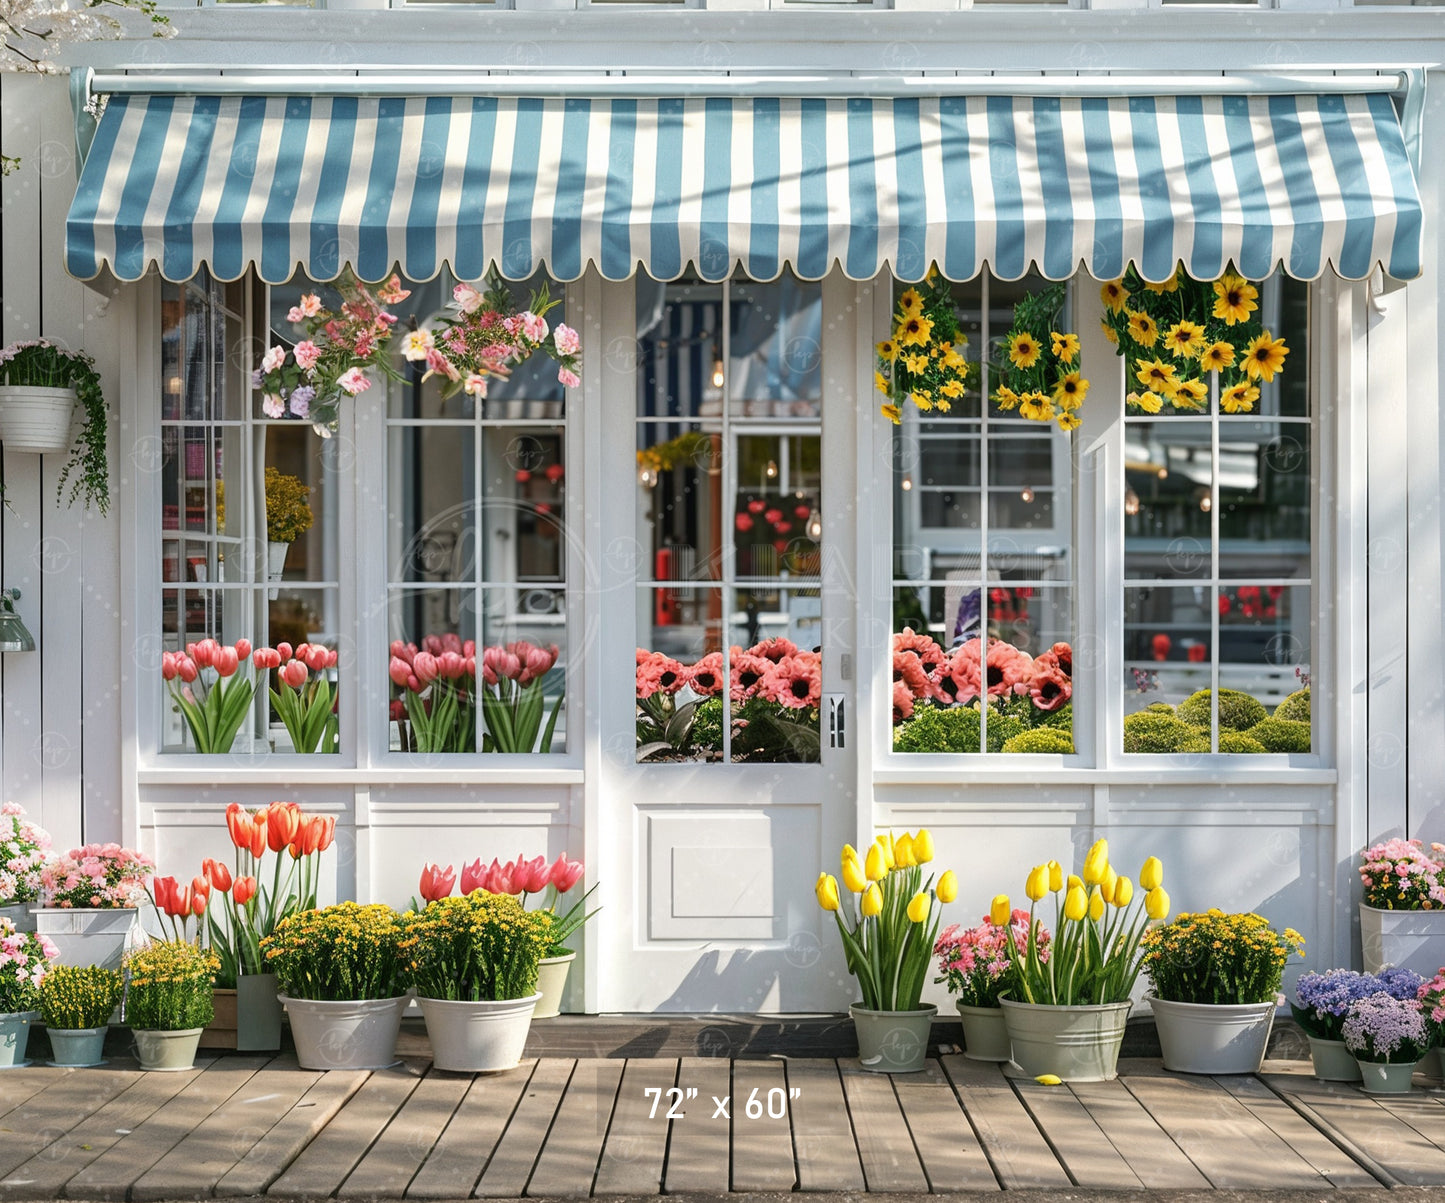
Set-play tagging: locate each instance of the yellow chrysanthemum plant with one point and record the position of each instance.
(887, 916)
(1038, 376)
(1175, 335)
(922, 359)
(1100, 918)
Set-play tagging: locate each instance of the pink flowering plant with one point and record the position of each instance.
(774, 689)
(1399, 875)
(520, 877)
(24, 959)
(101, 876)
(487, 336)
(1383, 1029)
(303, 695)
(212, 686)
(312, 377)
(975, 961)
(23, 851)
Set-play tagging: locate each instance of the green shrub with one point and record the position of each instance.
(1150, 731)
(1041, 739)
(954, 729)
(1282, 735)
(1240, 742)
(170, 986)
(74, 997)
(1237, 711)
(707, 725)
(1296, 707)
(1061, 719)
(1160, 708)
(1195, 743)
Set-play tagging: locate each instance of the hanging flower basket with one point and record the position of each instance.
(36, 419)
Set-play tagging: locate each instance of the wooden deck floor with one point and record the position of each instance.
(249, 1125)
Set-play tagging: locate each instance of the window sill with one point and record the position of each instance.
(1163, 771)
(188, 769)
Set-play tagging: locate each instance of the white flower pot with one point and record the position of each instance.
(1333, 1062)
(477, 1037)
(77, 1048)
(87, 936)
(1403, 939)
(19, 914)
(14, 1036)
(552, 984)
(985, 1034)
(350, 1034)
(893, 1042)
(36, 419)
(1213, 1038)
(1079, 1044)
(1380, 1078)
(276, 563)
(165, 1051)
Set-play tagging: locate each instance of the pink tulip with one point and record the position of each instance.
(203, 652)
(472, 876)
(500, 880)
(331, 658)
(451, 665)
(243, 648)
(536, 663)
(532, 876)
(284, 650)
(469, 648)
(400, 672)
(315, 657)
(294, 674)
(402, 651)
(425, 667)
(565, 873)
(186, 668)
(168, 666)
(436, 882)
(225, 661)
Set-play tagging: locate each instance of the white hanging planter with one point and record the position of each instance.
(276, 563)
(36, 419)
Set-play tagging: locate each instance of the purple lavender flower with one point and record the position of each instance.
(1400, 983)
(1387, 1029)
(1322, 1000)
(301, 400)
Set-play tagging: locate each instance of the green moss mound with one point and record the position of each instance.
(1296, 707)
(1160, 708)
(1240, 742)
(1061, 719)
(1238, 711)
(1149, 731)
(1282, 735)
(1041, 739)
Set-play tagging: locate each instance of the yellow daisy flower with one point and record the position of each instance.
(1150, 403)
(891, 412)
(1114, 296)
(1217, 356)
(1070, 391)
(1036, 407)
(1024, 350)
(1238, 399)
(1006, 398)
(1185, 339)
(1156, 376)
(910, 304)
(1264, 357)
(1234, 299)
(888, 350)
(915, 331)
(880, 381)
(1143, 329)
(1169, 285)
(1068, 420)
(1066, 347)
(952, 388)
(917, 364)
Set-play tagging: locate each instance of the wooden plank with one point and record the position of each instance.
(460, 1154)
(516, 1153)
(20, 1086)
(111, 1175)
(1019, 1154)
(1232, 1148)
(762, 1148)
(950, 1152)
(388, 1168)
(1087, 1154)
(1149, 1150)
(1360, 1126)
(636, 1147)
(43, 1176)
(699, 1149)
(568, 1162)
(1296, 1131)
(46, 1117)
(822, 1132)
(194, 1167)
(268, 1158)
(323, 1165)
(890, 1163)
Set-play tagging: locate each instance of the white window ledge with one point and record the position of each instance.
(199, 769)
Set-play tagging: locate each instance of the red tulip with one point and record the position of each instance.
(163, 889)
(425, 667)
(472, 876)
(202, 652)
(243, 648)
(500, 880)
(201, 888)
(226, 661)
(238, 822)
(328, 832)
(565, 873)
(451, 665)
(243, 890)
(400, 672)
(400, 651)
(199, 903)
(294, 674)
(282, 819)
(531, 877)
(217, 874)
(259, 830)
(168, 666)
(436, 882)
(331, 658)
(187, 669)
(316, 657)
(180, 903)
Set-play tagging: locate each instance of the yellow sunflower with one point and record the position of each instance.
(880, 381)
(1006, 398)
(1169, 285)
(1070, 391)
(1190, 394)
(1114, 296)
(1024, 350)
(1143, 329)
(1217, 356)
(914, 331)
(910, 304)
(1239, 399)
(1234, 299)
(891, 412)
(1150, 403)
(1110, 333)
(1069, 420)
(1036, 407)
(1156, 376)
(1185, 339)
(888, 350)
(1264, 357)
(1066, 346)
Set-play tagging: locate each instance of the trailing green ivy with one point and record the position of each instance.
(41, 364)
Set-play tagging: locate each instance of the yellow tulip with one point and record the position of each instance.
(1076, 903)
(1056, 876)
(947, 887)
(1156, 903)
(903, 851)
(853, 875)
(875, 868)
(872, 901)
(1109, 884)
(827, 891)
(1096, 905)
(1096, 863)
(849, 853)
(1123, 892)
(999, 911)
(885, 842)
(1151, 874)
(1038, 882)
(918, 907)
(923, 846)
(1049, 1080)
(1075, 880)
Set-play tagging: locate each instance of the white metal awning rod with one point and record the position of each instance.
(474, 82)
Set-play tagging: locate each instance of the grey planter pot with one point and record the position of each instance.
(893, 1042)
(552, 984)
(1405, 939)
(88, 937)
(19, 914)
(1333, 1062)
(1379, 1078)
(167, 1052)
(1206, 1038)
(14, 1036)
(477, 1037)
(352, 1034)
(985, 1034)
(1078, 1044)
(77, 1048)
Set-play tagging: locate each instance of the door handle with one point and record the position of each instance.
(837, 720)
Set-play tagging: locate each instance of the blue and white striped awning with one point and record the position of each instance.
(322, 183)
